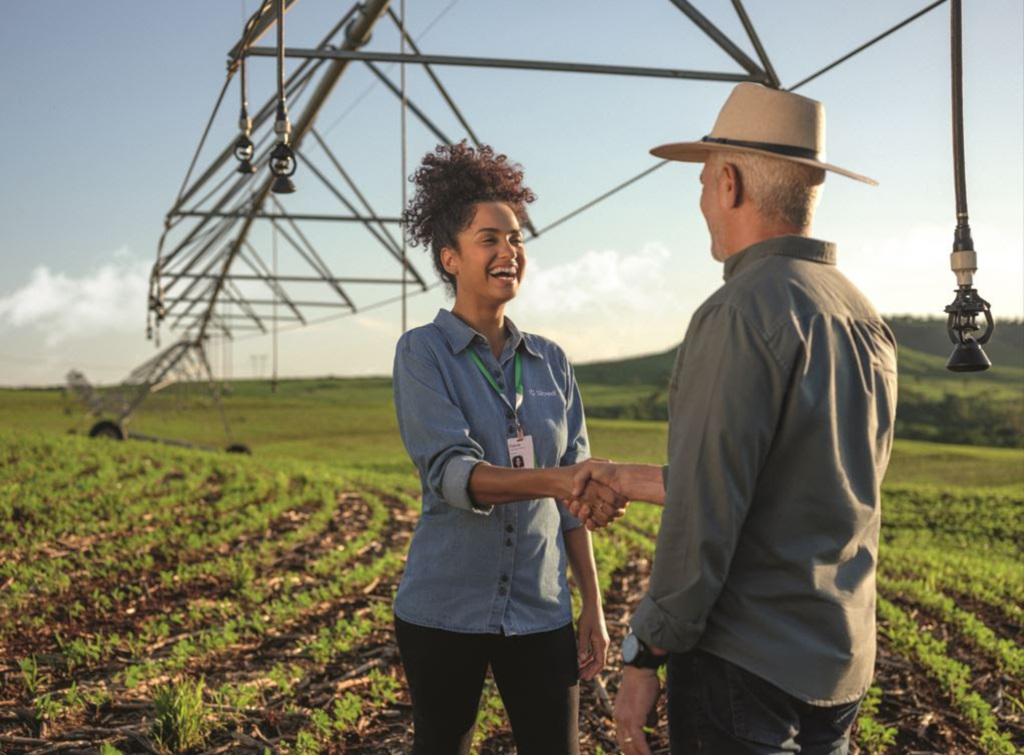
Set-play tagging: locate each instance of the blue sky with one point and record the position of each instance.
(105, 103)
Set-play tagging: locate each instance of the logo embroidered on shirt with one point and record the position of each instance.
(549, 394)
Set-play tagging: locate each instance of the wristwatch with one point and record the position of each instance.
(636, 653)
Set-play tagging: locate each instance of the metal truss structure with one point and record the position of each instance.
(199, 276)
(216, 276)
(183, 361)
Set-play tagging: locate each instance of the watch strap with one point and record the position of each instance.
(644, 658)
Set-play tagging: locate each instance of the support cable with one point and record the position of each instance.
(386, 242)
(313, 258)
(404, 166)
(429, 70)
(591, 203)
(341, 315)
(773, 79)
(397, 91)
(352, 185)
(369, 88)
(202, 140)
(719, 38)
(273, 379)
(867, 44)
(268, 276)
(648, 171)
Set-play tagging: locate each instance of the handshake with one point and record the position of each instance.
(601, 490)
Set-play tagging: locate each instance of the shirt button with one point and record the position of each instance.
(504, 578)
(509, 528)
(502, 591)
(508, 541)
(497, 374)
(511, 428)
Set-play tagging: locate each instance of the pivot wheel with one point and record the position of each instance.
(107, 429)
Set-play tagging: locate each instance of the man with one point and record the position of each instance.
(781, 411)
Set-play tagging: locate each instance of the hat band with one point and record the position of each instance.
(778, 149)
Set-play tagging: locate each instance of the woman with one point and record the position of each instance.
(493, 421)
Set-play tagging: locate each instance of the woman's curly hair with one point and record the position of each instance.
(450, 182)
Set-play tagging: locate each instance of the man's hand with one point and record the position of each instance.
(634, 703)
(592, 641)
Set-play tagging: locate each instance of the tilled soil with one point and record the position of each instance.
(926, 720)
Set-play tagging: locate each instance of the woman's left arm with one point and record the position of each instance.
(592, 634)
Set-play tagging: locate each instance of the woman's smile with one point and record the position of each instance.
(490, 259)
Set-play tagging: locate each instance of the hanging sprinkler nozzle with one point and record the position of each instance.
(282, 159)
(967, 356)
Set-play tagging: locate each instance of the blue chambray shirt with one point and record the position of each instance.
(485, 569)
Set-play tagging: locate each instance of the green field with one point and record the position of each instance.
(158, 599)
(980, 408)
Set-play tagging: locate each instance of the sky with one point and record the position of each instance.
(105, 102)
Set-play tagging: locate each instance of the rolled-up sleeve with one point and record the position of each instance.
(434, 429)
(577, 447)
(724, 404)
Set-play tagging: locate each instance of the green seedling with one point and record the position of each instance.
(181, 721)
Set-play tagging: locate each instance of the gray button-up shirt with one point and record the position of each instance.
(497, 568)
(781, 412)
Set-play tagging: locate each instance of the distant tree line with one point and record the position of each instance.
(976, 420)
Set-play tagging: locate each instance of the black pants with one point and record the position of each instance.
(537, 676)
(717, 707)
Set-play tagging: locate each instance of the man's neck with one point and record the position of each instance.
(753, 230)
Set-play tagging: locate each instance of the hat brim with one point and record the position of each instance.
(697, 152)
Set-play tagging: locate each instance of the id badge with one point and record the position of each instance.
(520, 452)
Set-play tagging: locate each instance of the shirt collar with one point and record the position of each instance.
(800, 247)
(460, 335)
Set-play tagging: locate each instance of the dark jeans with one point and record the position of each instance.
(717, 708)
(537, 676)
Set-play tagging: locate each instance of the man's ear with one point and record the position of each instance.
(449, 260)
(730, 187)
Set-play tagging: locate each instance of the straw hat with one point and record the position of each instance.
(764, 121)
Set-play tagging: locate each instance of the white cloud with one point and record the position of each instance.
(599, 281)
(609, 304)
(111, 299)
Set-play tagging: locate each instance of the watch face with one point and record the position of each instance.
(630, 648)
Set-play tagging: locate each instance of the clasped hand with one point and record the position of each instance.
(597, 496)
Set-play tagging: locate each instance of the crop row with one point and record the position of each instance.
(266, 603)
(74, 488)
(982, 519)
(983, 573)
(1003, 651)
(908, 639)
(170, 650)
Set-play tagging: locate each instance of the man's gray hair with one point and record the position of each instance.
(781, 190)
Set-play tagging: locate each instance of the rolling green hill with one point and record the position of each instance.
(924, 349)
(984, 408)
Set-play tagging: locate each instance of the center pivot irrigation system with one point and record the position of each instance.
(218, 271)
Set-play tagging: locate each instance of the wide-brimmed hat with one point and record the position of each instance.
(764, 121)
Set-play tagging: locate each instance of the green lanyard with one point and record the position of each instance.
(497, 389)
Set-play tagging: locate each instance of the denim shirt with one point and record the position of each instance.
(484, 569)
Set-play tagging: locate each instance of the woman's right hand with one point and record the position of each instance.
(595, 502)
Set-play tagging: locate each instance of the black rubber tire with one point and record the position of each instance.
(108, 429)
